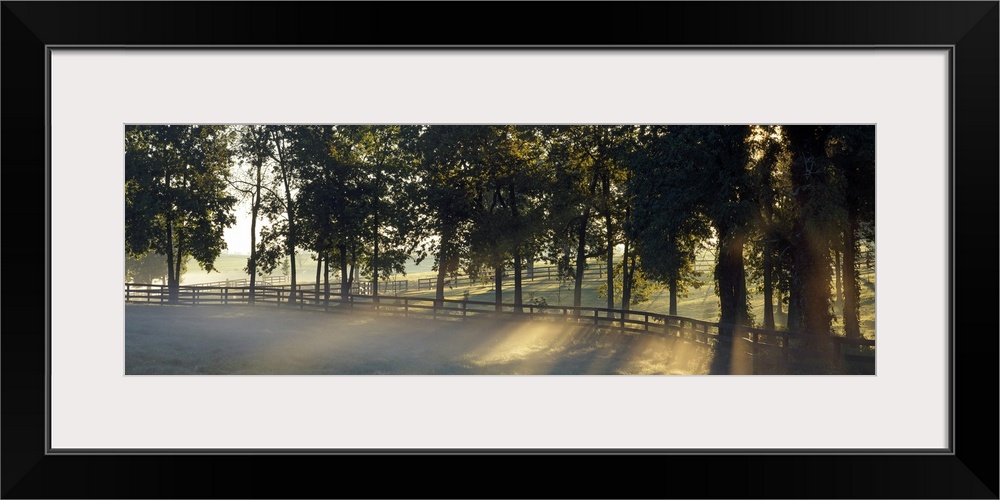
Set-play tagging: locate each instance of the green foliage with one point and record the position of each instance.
(538, 301)
(148, 268)
(643, 288)
(176, 198)
(481, 197)
(666, 191)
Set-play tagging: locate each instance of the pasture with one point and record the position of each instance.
(262, 340)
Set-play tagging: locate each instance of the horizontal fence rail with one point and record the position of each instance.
(788, 344)
(261, 281)
(487, 278)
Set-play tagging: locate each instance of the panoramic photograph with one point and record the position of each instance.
(499, 249)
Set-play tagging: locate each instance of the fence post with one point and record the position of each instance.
(753, 362)
(406, 307)
(595, 317)
(645, 324)
(464, 307)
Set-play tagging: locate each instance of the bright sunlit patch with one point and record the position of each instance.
(268, 341)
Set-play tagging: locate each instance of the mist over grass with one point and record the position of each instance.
(206, 340)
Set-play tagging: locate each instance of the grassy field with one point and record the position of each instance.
(204, 340)
(701, 304)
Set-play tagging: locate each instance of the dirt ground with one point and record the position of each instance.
(265, 340)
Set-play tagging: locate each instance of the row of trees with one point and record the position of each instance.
(781, 205)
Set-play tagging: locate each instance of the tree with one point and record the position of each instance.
(253, 146)
(580, 158)
(642, 287)
(729, 206)
(768, 158)
(317, 198)
(148, 268)
(507, 208)
(279, 206)
(665, 192)
(388, 157)
(819, 206)
(176, 203)
(852, 152)
(446, 197)
(716, 178)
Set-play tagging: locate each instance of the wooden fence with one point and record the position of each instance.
(527, 274)
(790, 346)
(261, 281)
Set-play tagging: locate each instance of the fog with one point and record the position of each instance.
(269, 341)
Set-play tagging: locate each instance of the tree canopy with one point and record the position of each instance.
(177, 202)
(783, 208)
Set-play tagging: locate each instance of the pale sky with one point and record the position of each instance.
(238, 236)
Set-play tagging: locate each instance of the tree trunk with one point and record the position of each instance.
(291, 240)
(731, 277)
(673, 294)
(768, 258)
(172, 281)
(581, 249)
(344, 277)
(627, 269)
(319, 270)
(291, 255)
(838, 278)
(444, 262)
(354, 269)
(254, 209)
(498, 293)
(581, 260)
(611, 244)
(768, 286)
(852, 327)
(179, 257)
(326, 280)
(811, 283)
(794, 318)
(518, 297)
(517, 282)
(810, 287)
(375, 263)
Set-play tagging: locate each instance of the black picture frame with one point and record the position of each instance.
(969, 470)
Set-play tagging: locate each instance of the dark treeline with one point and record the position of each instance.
(785, 209)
